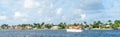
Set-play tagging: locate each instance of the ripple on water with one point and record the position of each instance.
(59, 33)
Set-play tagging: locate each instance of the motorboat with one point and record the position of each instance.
(74, 29)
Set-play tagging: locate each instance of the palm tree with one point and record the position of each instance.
(37, 25)
(95, 25)
(99, 23)
(85, 23)
(42, 23)
(110, 23)
(62, 25)
(48, 26)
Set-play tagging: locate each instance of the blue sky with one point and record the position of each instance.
(55, 11)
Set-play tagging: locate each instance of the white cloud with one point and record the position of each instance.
(37, 4)
(24, 20)
(83, 16)
(31, 4)
(59, 11)
(116, 5)
(91, 1)
(64, 17)
(80, 13)
(49, 19)
(2, 12)
(51, 5)
(19, 15)
(3, 17)
(91, 5)
(40, 12)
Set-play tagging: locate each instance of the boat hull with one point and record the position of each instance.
(74, 30)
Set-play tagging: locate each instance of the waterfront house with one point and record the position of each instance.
(75, 27)
(17, 28)
(28, 27)
(11, 27)
(55, 27)
(118, 28)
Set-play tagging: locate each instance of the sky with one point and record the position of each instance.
(55, 11)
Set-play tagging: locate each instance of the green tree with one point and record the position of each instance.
(95, 24)
(24, 25)
(75, 24)
(85, 24)
(62, 25)
(116, 24)
(48, 26)
(99, 23)
(42, 23)
(37, 25)
(4, 26)
(110, 23)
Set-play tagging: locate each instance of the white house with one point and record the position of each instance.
(55, 27)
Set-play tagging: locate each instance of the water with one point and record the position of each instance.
(59, 33)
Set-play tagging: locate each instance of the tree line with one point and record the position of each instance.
(96, 24)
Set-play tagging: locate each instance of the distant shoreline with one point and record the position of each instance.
(65, 29)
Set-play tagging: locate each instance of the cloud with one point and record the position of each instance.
(91, 1)
(83, 16)
(51, 5)
(79, 13)
(91, 5)
(59, 11)
(67, 10)
(31, 4)
(3, 17)
(20, 15)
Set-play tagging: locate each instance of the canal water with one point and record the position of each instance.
(59, 33)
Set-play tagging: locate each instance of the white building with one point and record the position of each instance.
(55, 27)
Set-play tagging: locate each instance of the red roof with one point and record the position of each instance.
(76, 27)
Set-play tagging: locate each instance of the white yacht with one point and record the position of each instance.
(74, 29)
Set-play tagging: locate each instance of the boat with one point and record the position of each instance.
(74, 29)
